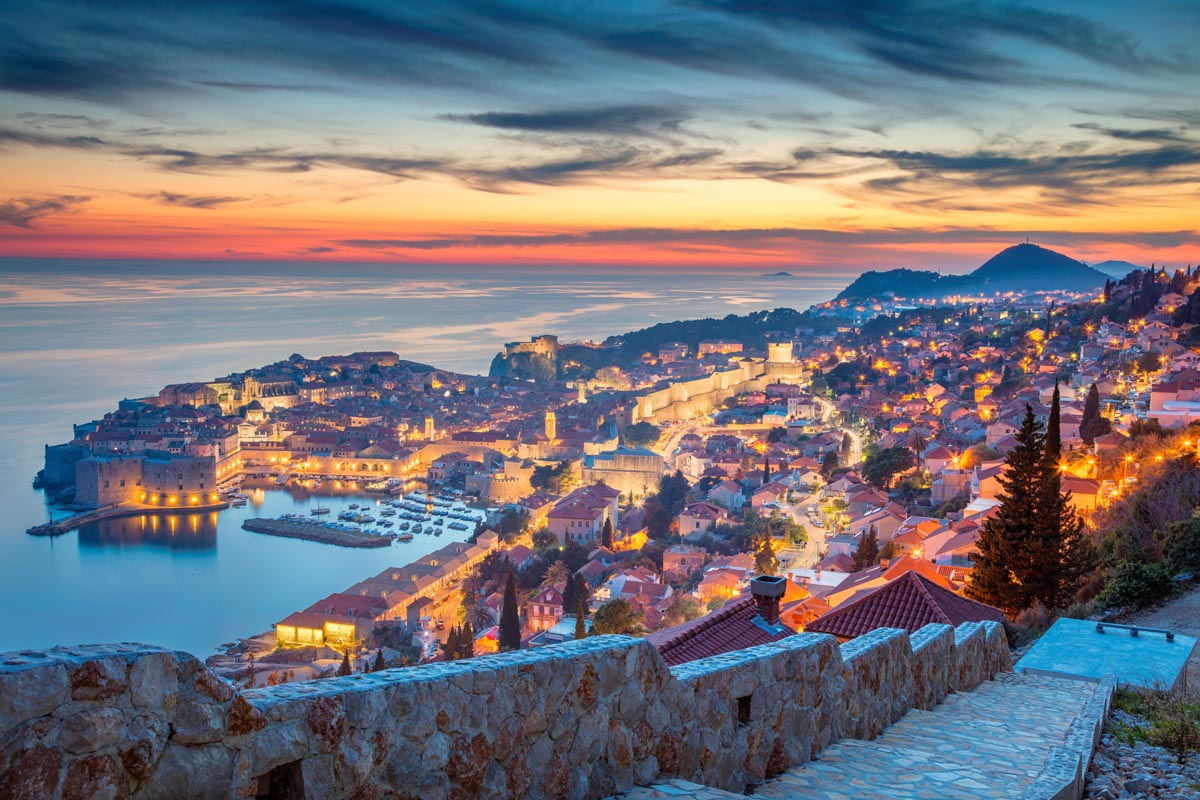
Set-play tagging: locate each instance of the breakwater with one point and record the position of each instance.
(315, 532)
(115, 511)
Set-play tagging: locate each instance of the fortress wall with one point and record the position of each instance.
(578, 720)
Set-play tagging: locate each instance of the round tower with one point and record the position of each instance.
(779, 352)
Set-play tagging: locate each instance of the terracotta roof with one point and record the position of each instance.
(910, 602)
(734, 626)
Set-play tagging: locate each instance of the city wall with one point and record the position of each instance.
(686, 399)
(578, 720)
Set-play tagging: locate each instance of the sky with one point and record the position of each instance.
(803, 134)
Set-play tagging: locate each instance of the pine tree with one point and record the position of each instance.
(510, 622)
(867, 552)
(606, 534)
(1005, 563)
(344, 669)
(581, 620)
(379, 664)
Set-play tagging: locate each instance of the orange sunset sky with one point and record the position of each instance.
(814, 134)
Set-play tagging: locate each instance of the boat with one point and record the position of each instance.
(404, 537)
(237, 502)
(280, 480)
(353, 506)
(319, 510)
(347, 516)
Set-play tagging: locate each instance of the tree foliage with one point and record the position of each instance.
(881, 466)
(867, 552)
(618, 616)
(1092, 424)
(765, 560)
(1034, 548)
(641, 434)
(510, 621)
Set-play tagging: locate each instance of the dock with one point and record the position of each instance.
(315, 532)
(60, 526)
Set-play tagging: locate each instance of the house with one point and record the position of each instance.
(768, 493)
(1175, 403)
(722, 583)
(701, 517)
(545, 609)
(864, 580)
(728, 495)
(341, 619)
(909, 602)
(741, 623)
(681, 560)
(580, 516)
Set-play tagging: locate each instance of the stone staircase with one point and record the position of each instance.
(1019, 736)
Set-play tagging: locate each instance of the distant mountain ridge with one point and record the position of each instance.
(1117, 269)
(1020, 268)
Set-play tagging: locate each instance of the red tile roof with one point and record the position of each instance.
(734, 626)
(910, 602)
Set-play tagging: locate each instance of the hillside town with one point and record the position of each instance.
(834, 471)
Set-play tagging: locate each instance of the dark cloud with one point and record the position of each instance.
(189, 200)
(320, 249)
(950, 40)
(1077, 177)
(23, 212)
(619, 120)
(775, 237)
(1136, 135)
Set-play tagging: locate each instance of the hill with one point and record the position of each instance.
(1020, 268)
(1117, 269)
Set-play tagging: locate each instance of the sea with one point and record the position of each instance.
(78, 336)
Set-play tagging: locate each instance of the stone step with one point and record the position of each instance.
(992, 742)
(677, 790)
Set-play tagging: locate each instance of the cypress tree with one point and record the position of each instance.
(379, 664)
(766, 468)
(1062, 548)
(1006, 561)
(570, 595)
(344, 669)
(580, 621)
(1053, 450)
(510, 622)
(1091, 424)
(450, 650)
(867, 552)
(606, 534)
(466, 640)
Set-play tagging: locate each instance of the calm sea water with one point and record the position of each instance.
(76, 337)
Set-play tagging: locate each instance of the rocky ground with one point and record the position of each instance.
(1120, 769)
(1124, 767)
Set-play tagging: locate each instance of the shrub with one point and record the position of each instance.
(1135, 585)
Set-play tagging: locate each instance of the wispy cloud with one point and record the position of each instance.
(190, 200)
(23, 212)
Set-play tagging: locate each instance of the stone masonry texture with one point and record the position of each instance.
(579, 720)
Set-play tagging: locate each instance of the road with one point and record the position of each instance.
(827, 412)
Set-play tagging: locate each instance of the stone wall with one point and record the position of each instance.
(579, 720)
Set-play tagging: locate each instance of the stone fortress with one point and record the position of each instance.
(579, 720)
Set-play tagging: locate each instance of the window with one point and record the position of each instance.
(122, 481)
(106, 484)
(181, 487)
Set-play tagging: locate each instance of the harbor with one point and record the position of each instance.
(375, 522)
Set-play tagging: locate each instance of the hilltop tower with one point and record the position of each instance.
(551, 426)
(580, 393)
(429, 429)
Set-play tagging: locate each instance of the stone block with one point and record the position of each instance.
(33, 692)
(91, 729)
(154, 681)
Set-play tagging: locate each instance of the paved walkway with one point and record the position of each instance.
(993, 742)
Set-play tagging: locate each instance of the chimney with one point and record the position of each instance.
(767, 591)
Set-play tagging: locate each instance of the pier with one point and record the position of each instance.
(60, 526)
